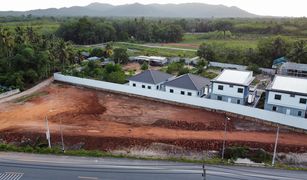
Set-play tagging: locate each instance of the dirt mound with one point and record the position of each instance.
(114, 143)
(193, 126)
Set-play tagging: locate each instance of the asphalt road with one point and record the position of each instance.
(19, 166)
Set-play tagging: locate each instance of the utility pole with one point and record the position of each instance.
(204, 172)
(225, 134)
(275, 147)
(63, 148)
(48, 133)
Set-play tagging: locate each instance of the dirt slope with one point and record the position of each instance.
(107, 121)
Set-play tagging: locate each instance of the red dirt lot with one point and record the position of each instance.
(107, 121)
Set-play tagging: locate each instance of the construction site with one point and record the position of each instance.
(99, 120)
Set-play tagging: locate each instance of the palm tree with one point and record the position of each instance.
(6, 42)
(19, 35)
(299, 52)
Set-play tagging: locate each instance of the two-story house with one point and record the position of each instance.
(232, 86)
(149, 79)
(287, 95)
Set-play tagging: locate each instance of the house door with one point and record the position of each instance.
(288, 111)
(229, 100)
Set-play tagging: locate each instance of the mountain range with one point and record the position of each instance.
(186, 10)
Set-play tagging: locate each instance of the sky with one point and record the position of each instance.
(292, 8)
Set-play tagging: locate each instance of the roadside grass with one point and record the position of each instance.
(30, 97)
(96, 153)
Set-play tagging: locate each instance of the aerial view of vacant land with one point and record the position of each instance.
(109, 121)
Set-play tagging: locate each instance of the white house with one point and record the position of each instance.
(153, 60)
(149, 79)
(188, 85)
(232, 86)
(287, 95)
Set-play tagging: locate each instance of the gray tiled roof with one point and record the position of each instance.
(151, 77)
(189, 81)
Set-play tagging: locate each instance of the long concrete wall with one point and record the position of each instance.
(270, 117)
(9, 93)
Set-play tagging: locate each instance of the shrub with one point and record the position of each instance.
(235, 152)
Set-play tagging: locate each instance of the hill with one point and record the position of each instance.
(187, 10)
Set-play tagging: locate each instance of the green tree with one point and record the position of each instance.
(206, 51)
(120, 56)
(97, 52)
(144, 66)
(109, 50)
(299, 52)
(223, 26)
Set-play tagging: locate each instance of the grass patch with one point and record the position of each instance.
(152, 51)
(209, 74)
(96, 153)
(30, 97)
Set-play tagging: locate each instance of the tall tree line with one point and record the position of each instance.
(263, 55)
(98, 30)
(26, 57)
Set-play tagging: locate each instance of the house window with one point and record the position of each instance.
(148, 87)
(240, 90)
(143, 86)
(219, 98)
(220, 87)
(133, 84)
(303, 101)
(274, 108)
(299, 113)
(292, 95)
(277, 97)
(238, 101)
(231, 86)
(182, 92)
(171, 90)
(157, 87)
(189, 94)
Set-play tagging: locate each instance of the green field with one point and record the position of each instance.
(40, 26)
(135, 50)
(237, 41)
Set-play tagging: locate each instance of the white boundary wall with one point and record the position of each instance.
(9, 93)
(265, 115)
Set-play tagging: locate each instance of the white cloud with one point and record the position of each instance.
(261, 7)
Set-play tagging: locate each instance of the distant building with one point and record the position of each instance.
(106, 62)
(152, 60)
(157, 60)
(149, 79)
(287, 95)
(232, 86)
(268, 71)
(189, 85)
(93, 58)
(293, 69)
(227, 66)
(85, 54)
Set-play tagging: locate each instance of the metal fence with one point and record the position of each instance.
(261, 114)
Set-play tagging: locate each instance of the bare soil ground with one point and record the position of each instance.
(108, 121)
(137, 67)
